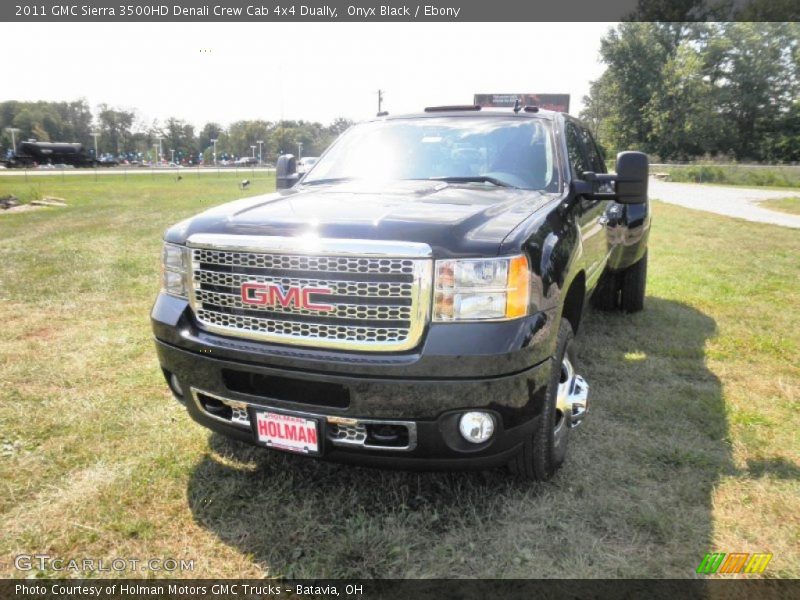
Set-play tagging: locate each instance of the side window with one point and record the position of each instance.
(578, 161)
(595, 158)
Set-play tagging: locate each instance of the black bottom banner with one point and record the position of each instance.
(369, 589)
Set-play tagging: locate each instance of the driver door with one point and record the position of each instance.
(588, 213)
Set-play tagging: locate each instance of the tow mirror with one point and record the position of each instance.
(632, 175)
(630, 181)
(286, 171)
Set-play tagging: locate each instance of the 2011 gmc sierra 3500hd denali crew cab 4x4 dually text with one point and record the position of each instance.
(411, 300)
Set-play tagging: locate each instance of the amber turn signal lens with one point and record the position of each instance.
(518, 294)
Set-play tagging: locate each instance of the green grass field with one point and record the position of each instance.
(775, 176)
(691, 445)
(787, 205)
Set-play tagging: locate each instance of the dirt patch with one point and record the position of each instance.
(49, 201)
(10, 204)
(41, 333)
(21, 208)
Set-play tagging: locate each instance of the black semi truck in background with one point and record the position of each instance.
(31, 154)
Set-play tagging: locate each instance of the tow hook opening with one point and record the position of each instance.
(375, 435)
(386, 434)
(228, 411)
(217, 408)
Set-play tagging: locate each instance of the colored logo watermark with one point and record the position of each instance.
(735, 562)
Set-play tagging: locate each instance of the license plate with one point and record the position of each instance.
(287, 432)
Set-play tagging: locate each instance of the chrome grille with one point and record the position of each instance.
(353, 434)
(302, 331)
(239, 414)
(342, 311)
(379, 292)
(332, 264)
(343, 288)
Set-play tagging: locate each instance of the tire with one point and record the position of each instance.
(606, 294)
(545, 449)
(634, 282)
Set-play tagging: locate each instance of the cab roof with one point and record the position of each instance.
(469, 110)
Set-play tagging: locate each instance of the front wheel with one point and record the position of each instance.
(544, 451)
(634, 281)
(606, 294)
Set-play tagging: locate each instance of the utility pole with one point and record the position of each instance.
(299, 150)
(95, 135)
(380, 100)
(13, 131)
(172, 151)
(253, 148)
(260, 143)
(214, 141)
(160, 150)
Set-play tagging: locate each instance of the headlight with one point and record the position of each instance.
(481, 289)
(174, 270)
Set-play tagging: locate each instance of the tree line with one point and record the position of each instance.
(124, 133)
(680, 91)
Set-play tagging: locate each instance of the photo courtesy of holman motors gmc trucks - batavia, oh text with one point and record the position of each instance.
(411, 301)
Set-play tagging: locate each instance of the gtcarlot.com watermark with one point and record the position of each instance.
(46, 562)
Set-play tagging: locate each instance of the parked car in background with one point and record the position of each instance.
(107, 161)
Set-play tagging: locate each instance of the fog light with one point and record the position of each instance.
(476, 427)
(175, 385)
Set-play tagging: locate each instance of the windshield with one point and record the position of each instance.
(511, 151)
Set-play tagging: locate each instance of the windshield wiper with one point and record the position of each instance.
(329, 180)
(474, 179)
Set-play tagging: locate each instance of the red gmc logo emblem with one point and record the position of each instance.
(272, 294)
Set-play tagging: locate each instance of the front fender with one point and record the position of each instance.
(553, 244)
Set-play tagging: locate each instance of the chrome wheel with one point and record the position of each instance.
(571, 399)
(563, 405)
(544, 451)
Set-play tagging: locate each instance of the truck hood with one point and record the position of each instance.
(454, 219)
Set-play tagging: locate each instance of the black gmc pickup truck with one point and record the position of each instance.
(411, 301)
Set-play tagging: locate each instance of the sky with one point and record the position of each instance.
(225, 72)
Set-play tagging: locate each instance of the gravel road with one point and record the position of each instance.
(739, 202)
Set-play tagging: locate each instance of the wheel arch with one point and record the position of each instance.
(572, 307)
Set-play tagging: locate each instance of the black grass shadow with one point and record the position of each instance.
(776, 467)
(633, 499)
